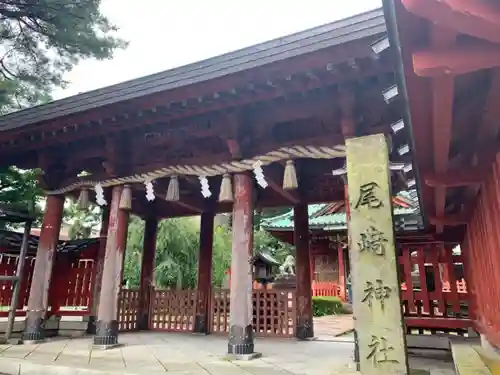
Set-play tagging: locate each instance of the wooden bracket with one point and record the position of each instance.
(477, 18)
(455, 60)
(455, 178)
(450, 220)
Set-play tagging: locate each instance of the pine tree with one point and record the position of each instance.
(43, 39)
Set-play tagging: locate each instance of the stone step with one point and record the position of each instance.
(490, 358)
(467, 360)
(13, 366)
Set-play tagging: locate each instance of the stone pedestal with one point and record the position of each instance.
(285, 282)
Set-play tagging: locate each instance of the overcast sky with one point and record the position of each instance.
(165, 34)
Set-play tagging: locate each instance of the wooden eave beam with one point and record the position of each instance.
(449, 220)
(347, 124)
(419, 99)
(455, 178)
(290, 196)
(134, 121)
(477, 18)
(436, 62)
(442, 119)
(196, 206)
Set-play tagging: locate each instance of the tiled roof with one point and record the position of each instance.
(329, 217)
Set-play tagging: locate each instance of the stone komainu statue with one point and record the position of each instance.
(288, 266)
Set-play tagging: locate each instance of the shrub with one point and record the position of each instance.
(322, 306)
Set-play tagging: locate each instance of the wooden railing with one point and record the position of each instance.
(128, 310)
(273, 312)
(429, 303)
(172, 310)
(327, 289)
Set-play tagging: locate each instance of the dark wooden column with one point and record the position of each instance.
(241, 331)
(304, 293)
(99, 265)
(204, 287)
(107, 324)
(42, 273)
(147, 269)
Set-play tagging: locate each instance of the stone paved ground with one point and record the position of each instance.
(331, 327)
(185, 354)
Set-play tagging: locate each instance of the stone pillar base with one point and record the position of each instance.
(356, 351)
(200, 324)
(240, 340)
(143, 322)
(91, 325)
(305, 329)
(486, 345)
(34, 331)
(106, 334)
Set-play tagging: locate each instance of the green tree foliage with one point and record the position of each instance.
(81, 222)
(264, 241)
(19, 189)
(177, 250)
(41, 40)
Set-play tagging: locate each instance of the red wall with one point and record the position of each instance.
(481, 248)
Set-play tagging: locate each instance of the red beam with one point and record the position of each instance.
(477, 18)
(290, 196)
(449, 220)
(437, 62)
(433, 322)
(442, 119)
(455, 178)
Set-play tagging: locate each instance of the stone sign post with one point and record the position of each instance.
(376, 303)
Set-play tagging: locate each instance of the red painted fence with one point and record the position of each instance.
(8, 266)
(434, 291)
(71, 288)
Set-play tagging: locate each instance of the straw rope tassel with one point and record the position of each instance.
(173, 189)
(83, 199)
(290, 176)
(126, 198)
(226, 189)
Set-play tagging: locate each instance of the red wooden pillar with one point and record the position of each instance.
(241, 331)
(340, 257)
(42, 272)
(303, 271)
(147, 270)
(107, 323)
(204, 287)
(99, 265)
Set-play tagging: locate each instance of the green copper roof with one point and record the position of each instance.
(325, 222)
